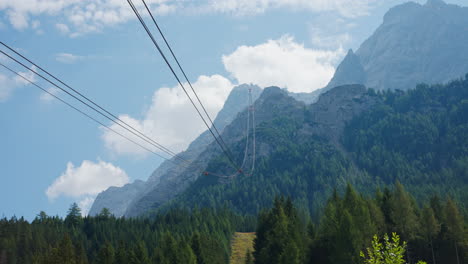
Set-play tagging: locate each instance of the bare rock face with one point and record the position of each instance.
(117, 199)
(415, 43)
(350, 71)
(335, 108)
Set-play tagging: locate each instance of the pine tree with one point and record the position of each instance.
(403, 213)
(63, 254)
(430, 228)
(186, 255)
(140, 254)
(105, 213)
(454, 223)
(106, 254)
(73, 218)
(121, 256)
(279, 238)
(197, 248)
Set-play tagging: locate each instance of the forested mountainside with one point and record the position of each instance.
(351, 135)
(415, 44)
(435, 232)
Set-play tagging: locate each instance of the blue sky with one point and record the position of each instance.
(50, 156)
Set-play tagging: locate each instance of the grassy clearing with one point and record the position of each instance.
(241, 243)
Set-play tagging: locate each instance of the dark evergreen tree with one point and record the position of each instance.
(454, 224)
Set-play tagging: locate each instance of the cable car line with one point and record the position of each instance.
(93, 108)
(254, 127)
(186, 78)
(85, 114)
(142, 22)
(108, 115)
(159, 146)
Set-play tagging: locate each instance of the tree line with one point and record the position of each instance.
(434, 233)
(175, 237)
(346, 232)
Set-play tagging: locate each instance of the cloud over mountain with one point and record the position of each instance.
(171, 119)
(284, 63)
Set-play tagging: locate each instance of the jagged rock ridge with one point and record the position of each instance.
(415, 44)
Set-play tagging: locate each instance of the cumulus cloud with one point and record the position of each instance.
(86, 181)
(67, 58)
(346, 8)
(77, 17)
(8, 83)
(283, 63)
(85, 204)
(170, 114)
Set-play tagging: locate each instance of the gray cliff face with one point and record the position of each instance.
(117, 199)
(350, 71)
(415, 43)
(135, 195)
(328, 117)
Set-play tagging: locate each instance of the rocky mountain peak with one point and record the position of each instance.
(350, 71)
(415, 43)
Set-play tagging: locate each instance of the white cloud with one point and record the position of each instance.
(79, 17)
(87, 180)
(67, 58)
(283, 63)
(85, 204)
(330, 31)
(47, 98)
(18, 19)
(62, 28)
(82, 17)
(170, 115)
(346, 8)
(10, 83)
(322, 39)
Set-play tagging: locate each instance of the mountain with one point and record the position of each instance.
(303, 143)
(118, 200)
(415, 44)
(351, 135)
(177, 180)
(293, 140)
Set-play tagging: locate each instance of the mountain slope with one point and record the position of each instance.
(351, 135)
(415, 44)
(175, 182)
(298, 148)
(118, 200)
